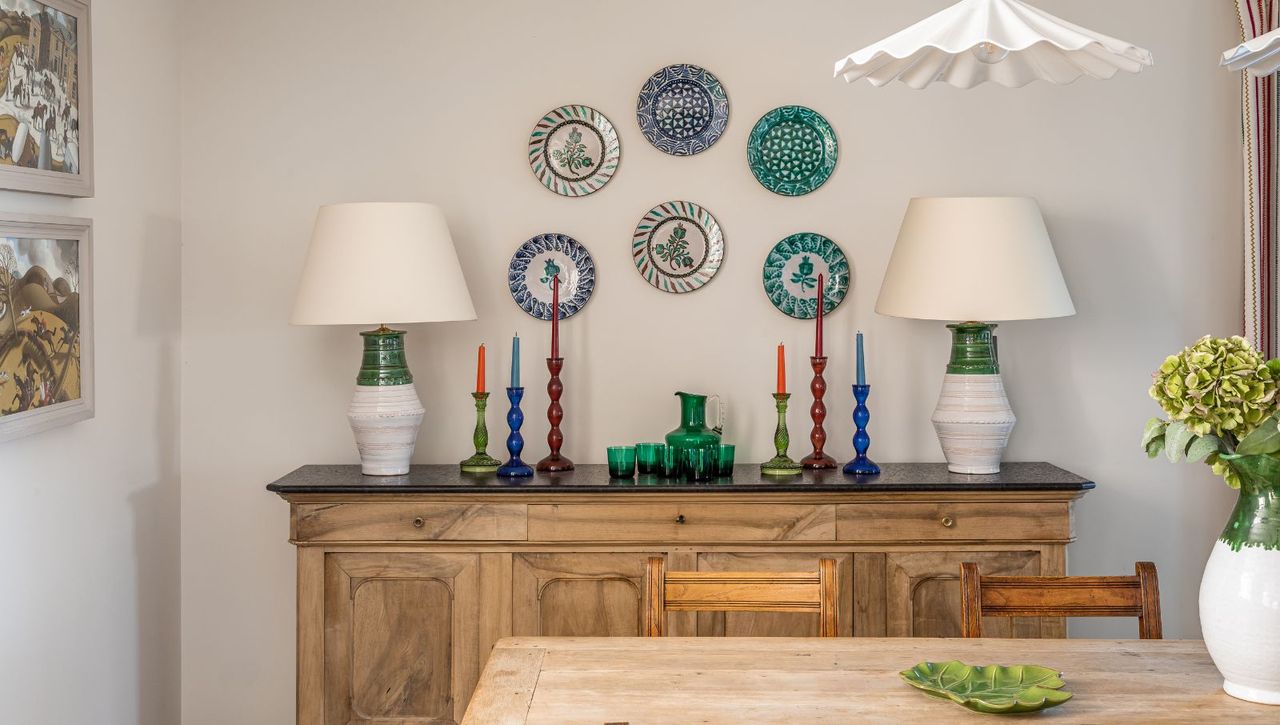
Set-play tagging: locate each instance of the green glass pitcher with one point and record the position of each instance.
(693, 431)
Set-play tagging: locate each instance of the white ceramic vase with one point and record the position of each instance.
(385, 420)
(1240, 620)
(973, 421)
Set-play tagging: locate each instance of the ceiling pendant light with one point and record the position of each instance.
(1002, 41)
(1260, 56)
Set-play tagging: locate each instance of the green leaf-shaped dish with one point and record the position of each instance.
(993, 688)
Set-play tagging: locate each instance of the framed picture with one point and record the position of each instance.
(46, 323)
(46, 97)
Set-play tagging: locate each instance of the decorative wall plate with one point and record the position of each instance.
(992, 688)
(682, 109)
(574, 150)
(540, 259)
(678, 246)
(791, 274)
(792, 150)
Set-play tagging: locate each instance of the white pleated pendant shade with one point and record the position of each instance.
(1001, 41)
(1260, 56)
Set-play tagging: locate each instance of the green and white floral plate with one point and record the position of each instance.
(992, 688)
(792, 150)
(678, 247)
(791, 274)
(574, 150)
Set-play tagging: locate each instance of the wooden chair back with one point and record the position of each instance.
(750, 591)
(1061, 596)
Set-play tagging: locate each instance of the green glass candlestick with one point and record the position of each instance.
(781, 464)
(481, 462)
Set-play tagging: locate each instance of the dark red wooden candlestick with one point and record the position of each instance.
(555, 414)
(818, 411)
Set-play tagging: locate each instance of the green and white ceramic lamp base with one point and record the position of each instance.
(973, 418)
(385, 414)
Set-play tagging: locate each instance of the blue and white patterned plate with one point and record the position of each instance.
(791, 274)
(682, 110)
(540, 259)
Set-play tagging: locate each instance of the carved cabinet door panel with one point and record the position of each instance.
(577, 594)
(917, 593)
(774, 624)
(401, 637)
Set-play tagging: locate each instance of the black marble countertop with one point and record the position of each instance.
(594, 478)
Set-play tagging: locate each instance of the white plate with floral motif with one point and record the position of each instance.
(538, 262)
(574, 150)
(678, 247)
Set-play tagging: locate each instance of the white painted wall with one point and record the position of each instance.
(293, 103)
(89, 620)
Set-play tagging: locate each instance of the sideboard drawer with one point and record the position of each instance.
(409, 522)
(996, 521)
(681, 522)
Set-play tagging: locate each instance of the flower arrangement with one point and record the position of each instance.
(1220, 398)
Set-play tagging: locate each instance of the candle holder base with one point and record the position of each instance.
(555, 464)
(781, 466)
(480, 464)
(514, 467)
(819, 462)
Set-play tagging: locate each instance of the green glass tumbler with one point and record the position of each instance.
(622, 461)
(724, 460)
(669, 462)
(698, 464)
(649, 457)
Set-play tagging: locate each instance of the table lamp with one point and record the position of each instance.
(974, 260)
(373, 264)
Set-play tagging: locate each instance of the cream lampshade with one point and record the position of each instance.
(370, 264)
(973, 260)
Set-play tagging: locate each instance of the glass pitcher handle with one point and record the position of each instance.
(720, 413)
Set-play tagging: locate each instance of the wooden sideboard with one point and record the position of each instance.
(405, 583)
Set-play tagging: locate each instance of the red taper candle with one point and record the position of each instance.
(555, 316)
(480, 369)
(817, 351)
(782, 370)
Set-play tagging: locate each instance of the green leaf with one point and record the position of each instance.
(1203, 447)
(1259, 471)
(1176, 438)
(1154, 429)
(1155, 446)
(1263, 439)
(991, 689)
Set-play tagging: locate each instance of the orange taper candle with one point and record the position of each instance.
(782, 370)
(480, 370)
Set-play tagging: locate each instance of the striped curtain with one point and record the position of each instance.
(1259, 122)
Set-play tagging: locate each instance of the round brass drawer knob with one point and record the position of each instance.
(419, 523)
(948, 522)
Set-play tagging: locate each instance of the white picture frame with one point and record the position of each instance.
(36, 419)
(43, 110)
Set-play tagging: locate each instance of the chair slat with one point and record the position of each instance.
(685, 591)
(1085, 596)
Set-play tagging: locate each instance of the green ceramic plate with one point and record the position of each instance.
(791, 275)
(792, 150)
(992, 688)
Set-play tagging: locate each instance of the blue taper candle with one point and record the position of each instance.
(862, 363)
(515, 361)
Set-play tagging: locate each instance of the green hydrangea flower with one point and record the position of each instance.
(1218, 386)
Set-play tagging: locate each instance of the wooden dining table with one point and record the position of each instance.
(639, 681)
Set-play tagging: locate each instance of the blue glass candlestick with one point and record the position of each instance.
(514, 467)
(861, 465)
